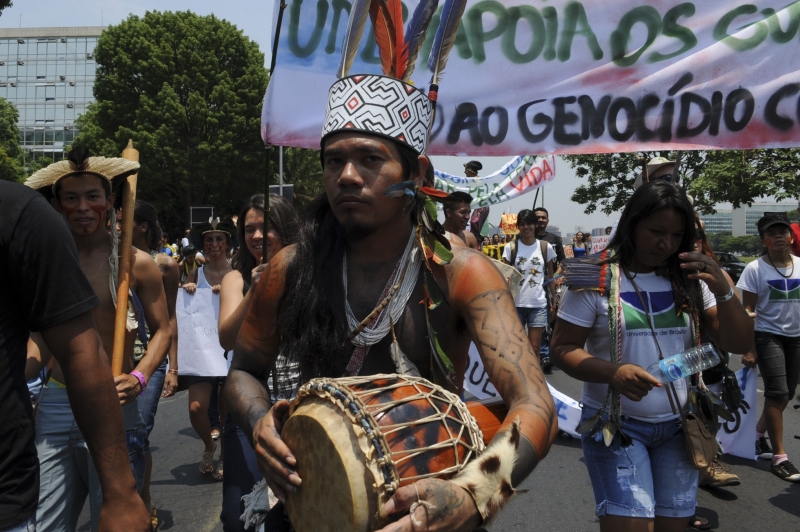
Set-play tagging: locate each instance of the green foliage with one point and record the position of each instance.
(734, 176)
(11, 167)
(187, 90)
(302, 168)
(741, 244)
(4, 4)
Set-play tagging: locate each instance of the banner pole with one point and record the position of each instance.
(268, 147)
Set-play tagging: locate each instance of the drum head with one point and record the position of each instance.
(334, 495)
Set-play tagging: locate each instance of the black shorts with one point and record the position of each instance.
(214, 381)
(779, 363)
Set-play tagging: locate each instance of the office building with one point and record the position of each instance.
(742, 221)
(719, 222)
(48, 74)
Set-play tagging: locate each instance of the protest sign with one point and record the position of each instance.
(568, 77)
(735, 437)
(508, 224)
(199, 352)
(599, 243)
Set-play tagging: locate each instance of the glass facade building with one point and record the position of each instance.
(48, 74)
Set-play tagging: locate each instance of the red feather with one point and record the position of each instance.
(387, 20)
(401, 48)
(436, 193)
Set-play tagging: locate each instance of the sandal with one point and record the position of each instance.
(153, 520)
(218, 473)
(207, 463)
(699, 523)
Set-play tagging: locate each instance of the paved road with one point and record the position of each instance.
(559, 497)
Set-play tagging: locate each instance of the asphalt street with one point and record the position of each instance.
(559, 496)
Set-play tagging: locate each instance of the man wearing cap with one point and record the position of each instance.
(472, 168)
(771, 289)
(81, 191)
(356, 243)
(456, 218)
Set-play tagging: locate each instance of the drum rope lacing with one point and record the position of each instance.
(351, 401)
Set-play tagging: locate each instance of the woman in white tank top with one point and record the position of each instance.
(216, 246)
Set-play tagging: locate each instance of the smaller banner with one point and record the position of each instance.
(599, 243)
(568, 253)
(517, 177)
(735, 437)
(199, 352)
(508, 224)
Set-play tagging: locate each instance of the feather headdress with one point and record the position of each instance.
(79, 161)
(386, 105)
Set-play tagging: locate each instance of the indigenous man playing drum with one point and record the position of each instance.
(348, 252)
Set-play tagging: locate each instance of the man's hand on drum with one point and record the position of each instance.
(275, 460)
(433, 505)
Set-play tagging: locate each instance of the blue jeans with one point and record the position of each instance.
(26, 526)
(66, 471)
(148, 401)
(650, 478)
(241, 474)
(532, 317)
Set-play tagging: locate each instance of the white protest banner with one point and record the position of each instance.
(599, 243)
(477, 383)
(199, 352)
(735, 437)
(738, 437)
(517, 177)
(569, 77)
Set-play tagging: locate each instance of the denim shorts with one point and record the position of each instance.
(652, 477)
(532, 317)
(779, 363)
(148, 401)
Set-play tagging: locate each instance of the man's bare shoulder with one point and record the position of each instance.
(143, 268)
(470, 273)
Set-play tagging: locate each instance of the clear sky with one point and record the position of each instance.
(254, 18)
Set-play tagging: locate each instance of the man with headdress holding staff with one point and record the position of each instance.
(370, 240)
(81, 190)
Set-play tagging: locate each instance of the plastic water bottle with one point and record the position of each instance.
(684, 364)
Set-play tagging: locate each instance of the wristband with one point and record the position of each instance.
(726, 297)
(141, 378)
(173, 371)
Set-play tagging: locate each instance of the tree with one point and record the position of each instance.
(4, 4)
(188, 90)
(11, 166)
(735, 176)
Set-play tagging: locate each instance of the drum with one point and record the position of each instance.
(358, 439)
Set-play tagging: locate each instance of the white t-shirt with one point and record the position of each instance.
(589, 309)
(184, 242)
(532, 266)
(778, 302)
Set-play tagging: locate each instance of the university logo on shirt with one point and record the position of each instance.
(783, 289)
(661, 306)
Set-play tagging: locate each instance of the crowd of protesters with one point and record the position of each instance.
(658, 252)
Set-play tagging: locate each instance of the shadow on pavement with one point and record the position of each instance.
(185, 475)
(788, 500)
(721, 494)
(165, 520)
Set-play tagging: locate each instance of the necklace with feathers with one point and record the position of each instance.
(399, 51)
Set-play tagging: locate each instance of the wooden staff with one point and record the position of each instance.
(126, 246)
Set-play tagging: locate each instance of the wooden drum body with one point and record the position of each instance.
(358, 439)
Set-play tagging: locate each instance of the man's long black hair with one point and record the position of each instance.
(312, 326)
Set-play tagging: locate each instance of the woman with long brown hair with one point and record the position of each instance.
(236, 293)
